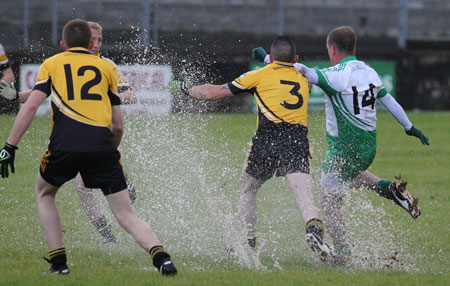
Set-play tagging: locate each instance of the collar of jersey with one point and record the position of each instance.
(286, 64)
(79, 50)
(351, 58)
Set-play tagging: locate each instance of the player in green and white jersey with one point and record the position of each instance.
(351, 90)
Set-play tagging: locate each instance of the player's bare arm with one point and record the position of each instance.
(127, 97)
(210, 91)
(25, 116)
(117, 124)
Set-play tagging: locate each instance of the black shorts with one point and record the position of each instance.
(284, 149)
(98, 169)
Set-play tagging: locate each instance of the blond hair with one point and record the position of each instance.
(95, 25)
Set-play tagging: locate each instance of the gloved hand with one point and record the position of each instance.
(259, 54)
(416, 132)
(180, 86)
(8, 91)
(7, 158)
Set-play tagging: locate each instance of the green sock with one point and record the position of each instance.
(383, 189)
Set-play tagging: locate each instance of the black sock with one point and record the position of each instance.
(315, 225)
(158, 254)
(104, 228)
(58, 257)
(251, 242)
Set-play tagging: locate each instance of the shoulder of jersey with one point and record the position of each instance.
(108, 61)
(253, 71)
(3, 57)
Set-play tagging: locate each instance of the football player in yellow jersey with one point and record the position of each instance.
(7, 90)
(87, 199)
(280, 145)
(86, 129)
(9, 102)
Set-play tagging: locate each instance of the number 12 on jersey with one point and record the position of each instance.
(85, 95)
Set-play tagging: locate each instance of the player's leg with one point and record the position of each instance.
(140, 231)
(131, 188)
(332, 200)
(248, 211)
(51, 225)
(301, 185)
(104, 170)
(395, 191)
(93, 210)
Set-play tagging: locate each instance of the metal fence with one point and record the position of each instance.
(219, 34)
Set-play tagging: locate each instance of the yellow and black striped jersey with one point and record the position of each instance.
(4, 63)
(83, 89)
(122, 83)
(281, 93)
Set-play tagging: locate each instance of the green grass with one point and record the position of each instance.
(187, 168)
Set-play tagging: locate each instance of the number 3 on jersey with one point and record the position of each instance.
(365, 101)
(294, 92)
(85, 95)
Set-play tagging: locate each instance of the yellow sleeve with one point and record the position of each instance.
(245, 82)
(113, 92)
(3, 57)
(43, 79)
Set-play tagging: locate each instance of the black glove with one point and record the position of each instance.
(7, 158)
(417, 133)
(259, 54)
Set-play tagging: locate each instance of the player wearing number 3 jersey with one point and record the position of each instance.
(351, 90)
(280, 145)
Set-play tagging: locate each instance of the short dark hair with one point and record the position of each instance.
(77, 33)
(283, 49)
(344, 39)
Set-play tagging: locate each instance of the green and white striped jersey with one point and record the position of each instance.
(351, 89)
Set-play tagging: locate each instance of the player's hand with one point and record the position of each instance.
(180, 86)
(418, 133)
(7, 158)
(259, 54)
(8, 91)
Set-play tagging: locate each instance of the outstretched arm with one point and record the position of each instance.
(399, 113)
(309, 73)
(210, 91)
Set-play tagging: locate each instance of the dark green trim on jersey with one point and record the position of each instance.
(382, 93)
(323, 84)
(347, 59)
(341, 103)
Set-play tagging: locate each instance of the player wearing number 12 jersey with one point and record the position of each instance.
(86, 130)
(280, 145)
